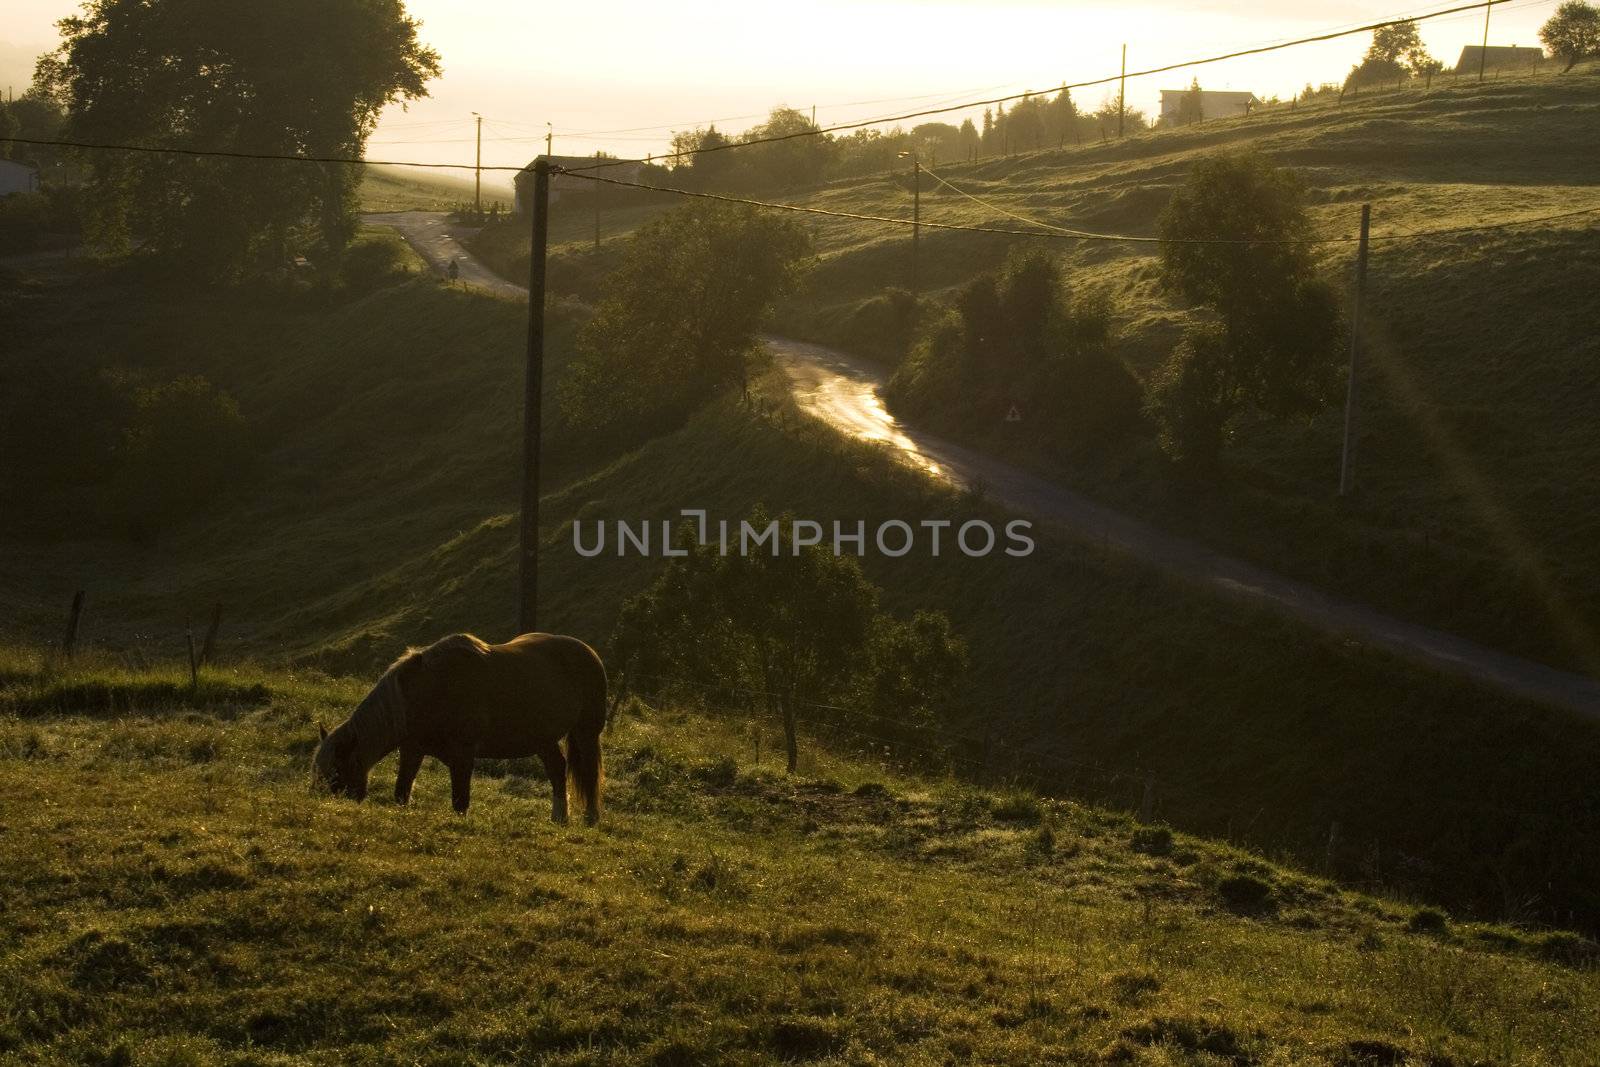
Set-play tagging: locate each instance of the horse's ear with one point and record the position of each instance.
(322, 731)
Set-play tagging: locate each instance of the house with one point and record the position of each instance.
(1213, 104)
(566, 185)
(17, 178)
(1499, 56)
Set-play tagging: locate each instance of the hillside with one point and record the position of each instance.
(1477, 487)
(410, 189)
(380, 513)
(210, 911)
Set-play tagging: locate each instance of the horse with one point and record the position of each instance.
(461, 699)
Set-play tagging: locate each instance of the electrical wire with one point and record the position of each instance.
(1259, 50)
(1056, 231)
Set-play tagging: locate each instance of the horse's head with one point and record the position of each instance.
(334, 766)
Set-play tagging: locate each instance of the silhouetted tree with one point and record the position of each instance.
(680, 317)
(1573, 32)
(1235, 243)
(296, 77)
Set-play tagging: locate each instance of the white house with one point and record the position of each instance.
(1214, 104)
(17, 178)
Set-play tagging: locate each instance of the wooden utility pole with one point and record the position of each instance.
(1483, 56)
(477, 171)
(1122, 92)
(916, 226)
(1347, 464)
(596, 206)
(533, 399)
(549, 141)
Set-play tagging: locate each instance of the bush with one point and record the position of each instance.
(1021, 339)
(373, 264)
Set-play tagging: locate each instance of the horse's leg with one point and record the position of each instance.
(555, 768)
(460, 763)
(410, 763)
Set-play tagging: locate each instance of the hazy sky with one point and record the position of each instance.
(601, 70)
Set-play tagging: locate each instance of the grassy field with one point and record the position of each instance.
(175, 896)
(381, 513)
(409, 189)
(1477, 453)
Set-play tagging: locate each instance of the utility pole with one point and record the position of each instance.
(1122, 92)
(533, 399)
(1347, 464)
(916, 226)
(596, 206)
(549, 141)
(477, 170)
(1483, 56)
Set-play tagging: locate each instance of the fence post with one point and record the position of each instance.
(209, 646)
(69, 643)
(1147, 803)
(1333, 846)
(194, 662)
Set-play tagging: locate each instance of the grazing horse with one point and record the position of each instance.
(461, 699)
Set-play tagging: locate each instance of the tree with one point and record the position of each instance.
(680, 317)
(1191, 108)
(1395, 52)
(797, 160)
(796, 624)
(1022, 336)
(1235, 243)
(1573, 32)
(294, 77)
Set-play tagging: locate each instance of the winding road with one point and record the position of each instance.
(844, 392)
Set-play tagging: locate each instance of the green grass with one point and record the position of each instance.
(1478, 455)
(408, 189)
(209, 910)
(383, 513)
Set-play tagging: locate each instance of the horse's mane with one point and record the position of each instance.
(445, 646)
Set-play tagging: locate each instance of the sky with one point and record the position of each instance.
(619, 75)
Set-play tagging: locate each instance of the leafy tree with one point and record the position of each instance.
(796, 624)
(1396, 51)
(1573, 32)
(798, 161)
(699, 151)
(1021, 337)
(296, 77)
(1235, 243)
(681, 316)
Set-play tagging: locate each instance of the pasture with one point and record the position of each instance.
(175, 895)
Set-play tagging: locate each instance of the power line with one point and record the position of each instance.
(1057, 232)
(1259, 50)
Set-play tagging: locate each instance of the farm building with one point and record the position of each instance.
(17, 178)
(1214, 104)
(563, 185)
(1500, 56)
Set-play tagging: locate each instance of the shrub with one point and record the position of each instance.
(373, 264)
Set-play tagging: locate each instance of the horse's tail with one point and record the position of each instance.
(585, 772)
